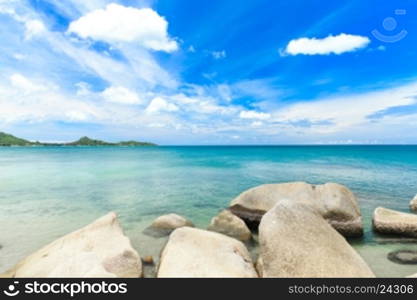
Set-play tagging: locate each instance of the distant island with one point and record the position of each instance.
(8, 140)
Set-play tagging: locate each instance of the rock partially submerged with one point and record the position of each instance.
(97, 250)
(231, 225)
(413, 204)
(164, 225)
(404, 257)
(296, 241)
(197, 253)
(388, 221)
(336, 203)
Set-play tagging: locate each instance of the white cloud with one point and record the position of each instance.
(330, 45)
(254, 115)
(34, 28)
(199, 102)
(58, 50)
(179, 111)
(345, 112)
(160, 105)
(119, 94)
(117, 23)
(219, 54)
(26, 85)
(32, 101)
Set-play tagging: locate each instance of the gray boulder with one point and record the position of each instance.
(296, 241)
(197, 253)
(388, 221)
(97, 250)
(231, 225)
(336, 203)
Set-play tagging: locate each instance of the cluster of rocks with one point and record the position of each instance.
(334, 202)
(302, 230)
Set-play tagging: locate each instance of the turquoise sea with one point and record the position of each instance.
(48, 192)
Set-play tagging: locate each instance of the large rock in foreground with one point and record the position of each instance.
(197, 253)
(296, 241)
(97, 250)
(231, 225)
(388, 221)
(413, 204)
(336, 203)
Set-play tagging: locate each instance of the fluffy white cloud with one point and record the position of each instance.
(254, 115)
(332, 44)
(119, 94)
(117, 23)
(160, 105)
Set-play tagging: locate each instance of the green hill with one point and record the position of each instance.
(10, 140)
(86, 141)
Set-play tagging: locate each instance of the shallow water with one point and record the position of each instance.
(48, 192)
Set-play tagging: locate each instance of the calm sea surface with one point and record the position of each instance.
(48, 192)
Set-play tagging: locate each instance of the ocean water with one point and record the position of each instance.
(48, 192)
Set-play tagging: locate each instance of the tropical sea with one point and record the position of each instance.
(46, 192)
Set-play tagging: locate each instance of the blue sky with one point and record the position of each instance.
(210, 72)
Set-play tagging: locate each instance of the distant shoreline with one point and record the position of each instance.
(8, 140)
(74, 146)
(65, 145)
